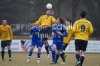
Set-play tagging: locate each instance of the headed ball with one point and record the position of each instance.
(49, 6)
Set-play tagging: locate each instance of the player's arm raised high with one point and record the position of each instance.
(36, 23)
(31, 30)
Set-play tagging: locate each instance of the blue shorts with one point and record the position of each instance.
(37, 43)
(58, 44)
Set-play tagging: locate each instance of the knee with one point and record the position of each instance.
(78, 51)
(8, 47)
(58, 52)
(31, 48)
(3, 48)
(82, 54)
(39, 49)
(45, 42)
(54, 47)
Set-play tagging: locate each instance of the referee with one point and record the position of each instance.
(6, 38)
(45, 21)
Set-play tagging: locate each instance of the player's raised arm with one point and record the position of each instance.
(31, 30)
(36, 23)
(90, 29)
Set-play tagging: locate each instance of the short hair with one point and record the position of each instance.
(48, 9)
(68, 20)
(83, 14)
(62, 20)
(4, 19)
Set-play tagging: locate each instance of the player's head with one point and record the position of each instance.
(60, 21)
(4, 22)
(83, 14)
(48, 11)
(68, 22)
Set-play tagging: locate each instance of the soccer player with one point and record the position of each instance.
(58, 32)
(6, 39)
(66, 40)
(82, 29)
(35, 40)
(45, 21)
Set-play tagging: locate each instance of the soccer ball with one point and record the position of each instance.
(49, 6)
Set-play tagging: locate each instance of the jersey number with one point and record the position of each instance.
(82, 28)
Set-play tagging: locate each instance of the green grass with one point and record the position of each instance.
(19, 59)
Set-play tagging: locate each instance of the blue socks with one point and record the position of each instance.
(38, 55)
(56, 59)
(30, 54)
(53, 55)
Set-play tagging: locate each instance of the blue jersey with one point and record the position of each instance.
(34, 32)
(60, 28)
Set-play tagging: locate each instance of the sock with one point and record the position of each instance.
(47, 49)
(53, 55)
(38, 55)
(82, 60)
(78, 57)
(9, 53)
(50, 48)
(2, 54)
(62, 56)
(30, 54)
(56, 59)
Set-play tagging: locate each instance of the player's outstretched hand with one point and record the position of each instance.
(29, 24)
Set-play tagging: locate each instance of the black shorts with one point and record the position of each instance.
(5, 43)
(44, 32)
(81, 45)
(64, 46)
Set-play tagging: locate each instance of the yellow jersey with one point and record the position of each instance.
(68, 38)
(46, 20)
(82, 29)
(6, 33)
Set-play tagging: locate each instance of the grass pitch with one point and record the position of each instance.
(19, 59)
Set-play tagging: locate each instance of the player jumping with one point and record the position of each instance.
(45, 21)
